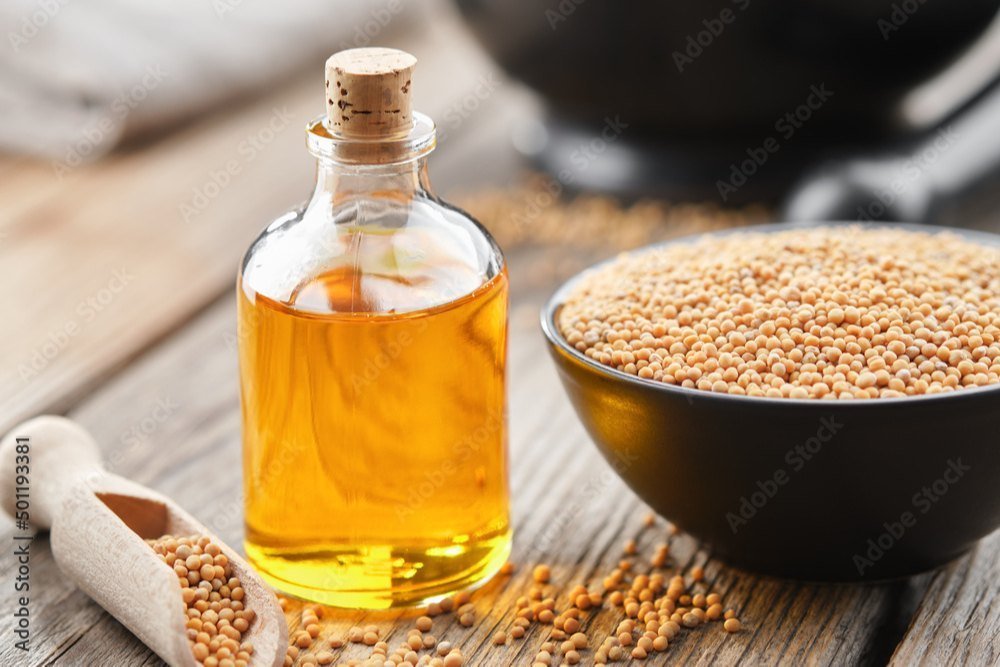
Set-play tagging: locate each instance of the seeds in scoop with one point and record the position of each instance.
(822, 313)
(215, 630)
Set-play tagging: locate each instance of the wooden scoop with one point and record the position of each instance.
(98, 523)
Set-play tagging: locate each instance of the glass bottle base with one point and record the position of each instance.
(380, 576)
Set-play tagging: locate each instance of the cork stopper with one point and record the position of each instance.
(368, 92)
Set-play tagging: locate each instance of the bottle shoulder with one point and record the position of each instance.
(382, 253)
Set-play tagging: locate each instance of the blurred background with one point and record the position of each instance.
(145, 144)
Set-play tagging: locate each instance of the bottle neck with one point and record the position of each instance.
(391, 166)
(335, 181)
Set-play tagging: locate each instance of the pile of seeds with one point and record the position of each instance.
(576, 232)
(535, 212)
(833, 312)
(216, 618)
(656, 606)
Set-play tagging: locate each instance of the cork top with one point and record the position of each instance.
(368, 92)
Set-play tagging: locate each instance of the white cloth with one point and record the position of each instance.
(78, 75)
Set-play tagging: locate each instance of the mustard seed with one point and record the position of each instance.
(207, 588)
(542, 574)
(732, 625)
(830, 315)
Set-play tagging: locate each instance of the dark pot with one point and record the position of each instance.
(594, 58)
(700, 86)
(817, 490)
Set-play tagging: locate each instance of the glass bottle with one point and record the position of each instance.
(372, 344)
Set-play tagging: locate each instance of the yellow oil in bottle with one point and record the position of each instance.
(374, 427)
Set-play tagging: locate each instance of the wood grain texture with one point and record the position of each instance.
(107, 258)
(171, 421)
(958, 621)
(152, 374)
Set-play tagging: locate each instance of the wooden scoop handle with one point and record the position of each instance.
(41, 460)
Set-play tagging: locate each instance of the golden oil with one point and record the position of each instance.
(372, 342)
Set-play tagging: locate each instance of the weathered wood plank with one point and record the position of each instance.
(958, 621)
(110, 257)
(171, 421)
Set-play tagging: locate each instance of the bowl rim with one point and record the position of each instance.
(556, 301)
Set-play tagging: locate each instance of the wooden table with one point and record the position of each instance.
(120, 313)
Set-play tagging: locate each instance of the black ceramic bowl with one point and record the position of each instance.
(808, 489)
